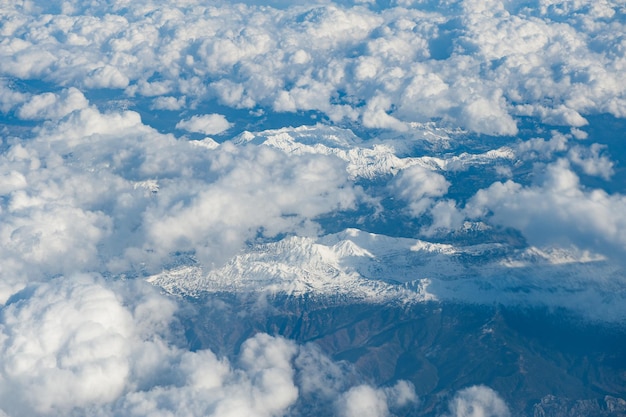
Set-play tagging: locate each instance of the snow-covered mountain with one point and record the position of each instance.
(332, 266)
(371, 159)
(347, 208)
(356, 265)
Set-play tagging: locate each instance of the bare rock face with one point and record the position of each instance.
(552, 406)
(543, 363)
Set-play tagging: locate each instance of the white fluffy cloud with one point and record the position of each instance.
(592, 161)
(257, 191)
(64, 346)
(87, 187)
(53, 106)
(168, 103)
(73, 343)
(106, 76)
(366, 401)
(80, 344)
(478, 401)
(261, 383)
(556, 211)
(209, 124)
(418, 186)
(463, 63)
(9, 97)
(96, 191)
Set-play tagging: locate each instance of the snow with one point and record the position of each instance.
(363, 266)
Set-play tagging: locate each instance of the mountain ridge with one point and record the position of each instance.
(376, 268)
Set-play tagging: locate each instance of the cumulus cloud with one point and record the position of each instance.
(445, 216)
(260, 383)
(376, 115)
(9, 97)
(78, 344)
(367, 401)
(209, 124)
(85, 187)
(259, 191)
(64, 345)
(319, 377)
(52, 106)
(592, 161)
(478, 401)
(364, 401)
(48, 231)
(106, 76)
(558, 116)
(12, 181)
(557, 210)
(539, 148)
(418, 186)
(410, 61)
(488, 115)
(168, 103)
(119, 197)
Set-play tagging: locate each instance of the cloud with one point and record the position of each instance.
(12, 181)
(90, 123)
(87, 188)
(349, 61)
(445, 216)
(418, 186)
(367, 401)
(24, 60)
(376, 115)
(264, 381)
(538, 148)
(319, 378)
(268, 361)
(63, 346)
(106, 76)
(74, 343)
(591, 161)
(41, 235)
(559, 116)
(53, 106)
(9, 97)
(259, 191)
(364, 401)
(168, 103)
(556, 210)
(402, 394)
(478, 401)
(78, 343)
(488, 116)
(121, 197)
(209, 124)
(260, 384)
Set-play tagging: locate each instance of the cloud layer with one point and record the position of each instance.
(118, 196)
(474, 64)
(82, 345)
(102, 182)
(556, 211)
